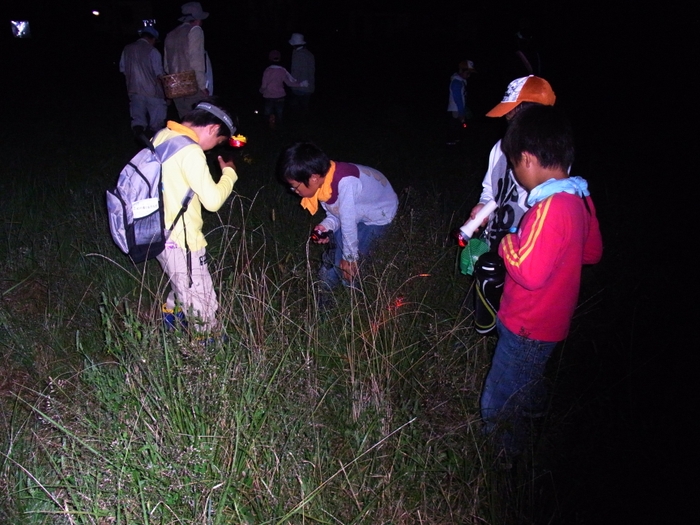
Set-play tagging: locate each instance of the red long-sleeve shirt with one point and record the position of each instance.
(543, 262)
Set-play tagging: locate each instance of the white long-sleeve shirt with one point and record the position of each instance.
(360, 194)
(500, 185)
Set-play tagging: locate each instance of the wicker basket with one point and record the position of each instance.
(181, 84)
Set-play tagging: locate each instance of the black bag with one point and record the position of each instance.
(490, 274)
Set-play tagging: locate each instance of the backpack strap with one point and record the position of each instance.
(183, 209)
(171, 146)
(163, 152)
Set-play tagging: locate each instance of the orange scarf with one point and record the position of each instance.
(179, 128)
(324, 193)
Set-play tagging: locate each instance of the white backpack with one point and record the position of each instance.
(135, 206)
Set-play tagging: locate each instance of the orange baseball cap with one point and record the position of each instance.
(524, 89)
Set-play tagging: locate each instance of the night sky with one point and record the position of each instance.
(622, 71)
(619, 60)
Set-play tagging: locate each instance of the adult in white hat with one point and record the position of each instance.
(184, 51)
(303, 69)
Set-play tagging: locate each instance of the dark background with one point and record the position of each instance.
(623, 71)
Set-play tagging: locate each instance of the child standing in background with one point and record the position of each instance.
(273, 81)
(457, 102)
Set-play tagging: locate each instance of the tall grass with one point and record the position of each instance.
(364, 414)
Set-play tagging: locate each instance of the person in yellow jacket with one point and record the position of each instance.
(186, 174)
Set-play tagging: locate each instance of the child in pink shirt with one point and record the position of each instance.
(275, 77)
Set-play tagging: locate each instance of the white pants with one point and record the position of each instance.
(198, 301)
(148, 112)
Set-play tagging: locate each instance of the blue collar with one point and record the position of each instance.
(573, 185)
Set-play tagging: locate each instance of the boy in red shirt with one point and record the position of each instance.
(543, 260)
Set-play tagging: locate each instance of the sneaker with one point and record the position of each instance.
(173, 319)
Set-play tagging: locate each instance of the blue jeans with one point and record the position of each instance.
(514, 388)
(330, 273)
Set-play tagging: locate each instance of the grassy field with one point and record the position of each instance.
(366, 415)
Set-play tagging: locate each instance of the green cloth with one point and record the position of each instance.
(474, 249)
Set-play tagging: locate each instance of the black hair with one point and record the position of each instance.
(524, 105)
(202, 118)
(301, 160)
(542, 131)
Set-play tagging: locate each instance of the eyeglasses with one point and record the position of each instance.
(294, 188)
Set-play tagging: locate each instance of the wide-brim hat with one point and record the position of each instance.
(297, 39)
(524, 89)
(192, 11)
